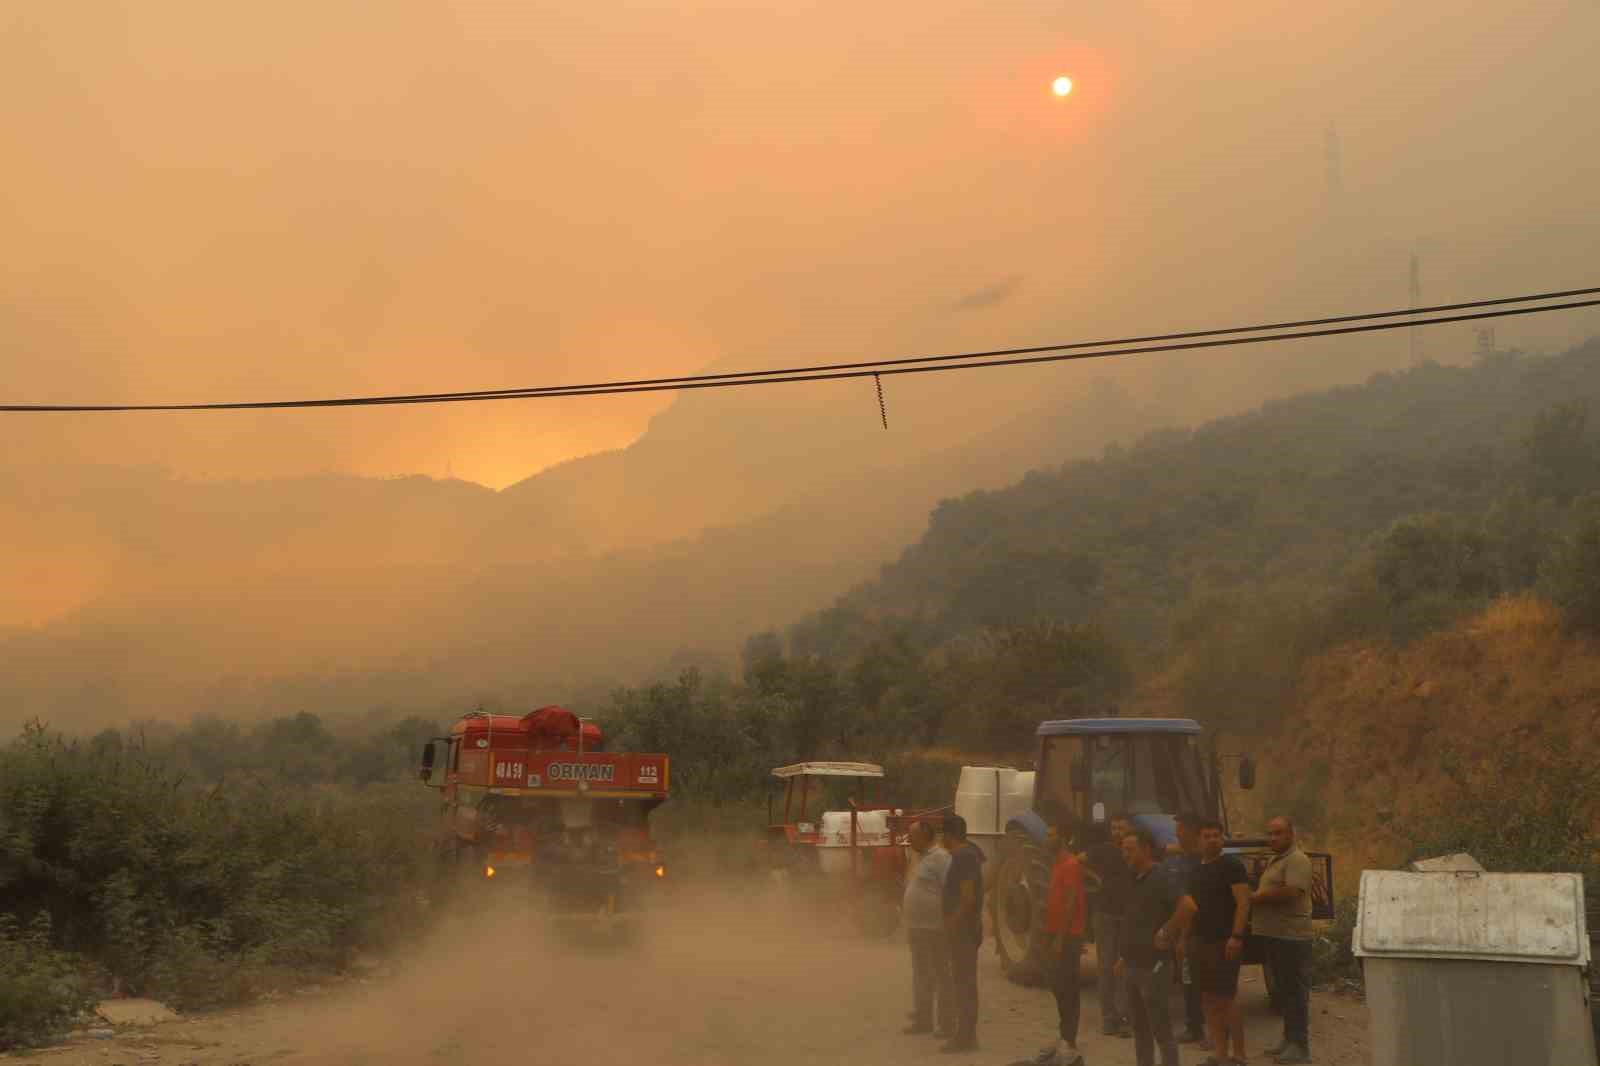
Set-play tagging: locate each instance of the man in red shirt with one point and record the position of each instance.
(1065, 916)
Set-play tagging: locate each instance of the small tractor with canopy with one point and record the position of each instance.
(851, 859)
(538, 798)
(1147, 769)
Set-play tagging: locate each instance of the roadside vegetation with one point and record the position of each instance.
(1519, 808)
(195, 874)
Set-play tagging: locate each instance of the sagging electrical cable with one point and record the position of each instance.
(1406, 318)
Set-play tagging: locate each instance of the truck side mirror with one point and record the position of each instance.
(1247, 773)
(433, 765)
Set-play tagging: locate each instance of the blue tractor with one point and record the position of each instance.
(1148, 769)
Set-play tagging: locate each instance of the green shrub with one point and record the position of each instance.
(1332, 956)
(42, 990)
(1570, 575)
(203, 895)
(1526, 810)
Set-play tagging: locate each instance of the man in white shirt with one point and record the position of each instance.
(922, 912)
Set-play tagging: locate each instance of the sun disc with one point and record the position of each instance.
(1061, 86)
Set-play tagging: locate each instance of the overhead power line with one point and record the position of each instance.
(1340, 325)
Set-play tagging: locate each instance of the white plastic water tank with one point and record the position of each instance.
(1018, 798)
(980, 798)
(872, 829)
(833, 837)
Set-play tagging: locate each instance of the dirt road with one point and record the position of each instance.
(719, 980)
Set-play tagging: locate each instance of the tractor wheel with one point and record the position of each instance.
(1017, 907)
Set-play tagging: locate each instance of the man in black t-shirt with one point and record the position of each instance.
(963, 923)
(1217, 904)
(1108, 890)
(1179, 865)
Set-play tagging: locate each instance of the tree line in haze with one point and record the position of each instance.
(1204, 566)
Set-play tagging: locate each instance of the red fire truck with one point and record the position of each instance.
(539, 799)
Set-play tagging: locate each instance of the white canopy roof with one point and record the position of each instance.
(829, 769)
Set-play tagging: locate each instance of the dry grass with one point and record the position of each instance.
(1386, 722)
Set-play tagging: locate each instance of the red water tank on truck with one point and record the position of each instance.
(537, 798)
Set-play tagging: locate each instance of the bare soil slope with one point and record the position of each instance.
(1375, 727)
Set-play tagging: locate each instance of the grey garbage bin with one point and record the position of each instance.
(1475, 969)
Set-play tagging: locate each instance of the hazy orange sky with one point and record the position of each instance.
(224, 201)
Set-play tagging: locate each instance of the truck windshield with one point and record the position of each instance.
(1132, 773)
(1167, 776)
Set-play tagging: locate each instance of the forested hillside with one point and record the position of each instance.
(1194, 572)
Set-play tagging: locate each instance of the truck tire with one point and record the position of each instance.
(1017, 910)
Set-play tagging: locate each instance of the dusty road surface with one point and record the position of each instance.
(718, 979)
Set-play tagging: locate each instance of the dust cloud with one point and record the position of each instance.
(725, 971)
(716, 975)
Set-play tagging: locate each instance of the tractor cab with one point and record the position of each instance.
(1091, 769)
(1149, 769)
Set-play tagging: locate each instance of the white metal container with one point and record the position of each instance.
(1475, 969)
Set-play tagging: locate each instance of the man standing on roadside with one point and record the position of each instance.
(922, 910)
(963, 924)
(1281, 906)
(1066, 912)
(1180, 867)
(1151, 925)
(1217, 906)
(1109, 871)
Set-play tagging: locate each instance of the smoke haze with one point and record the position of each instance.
(214, 202)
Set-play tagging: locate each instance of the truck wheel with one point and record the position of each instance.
(1017, 909)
